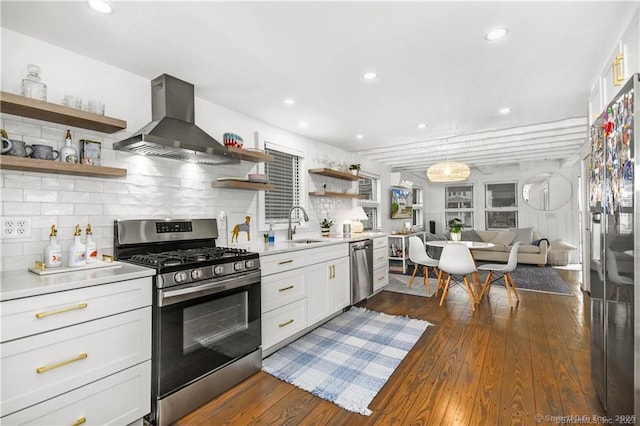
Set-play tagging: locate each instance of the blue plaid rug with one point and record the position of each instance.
(347, 360)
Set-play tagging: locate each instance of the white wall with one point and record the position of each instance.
(153, 187)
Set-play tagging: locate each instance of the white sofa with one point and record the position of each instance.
(532, 250)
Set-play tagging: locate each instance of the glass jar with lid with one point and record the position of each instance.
(32, 87)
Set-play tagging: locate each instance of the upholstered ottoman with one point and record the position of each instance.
(559, 253)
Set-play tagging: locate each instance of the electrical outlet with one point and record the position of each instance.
(16, 227)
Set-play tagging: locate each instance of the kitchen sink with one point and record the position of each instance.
(305, 241)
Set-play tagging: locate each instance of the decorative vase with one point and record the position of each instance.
(456, 236)
(354, 172)
(325, 232)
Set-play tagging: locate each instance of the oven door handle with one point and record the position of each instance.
(170, 297)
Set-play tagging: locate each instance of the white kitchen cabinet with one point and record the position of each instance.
(328, 289)
(300, 289)
(60, 349)
(380, 263)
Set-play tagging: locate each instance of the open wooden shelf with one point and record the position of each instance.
(250, 186)
(54, 113)
(335, 194)
(253, 156)
(51, 166)
(334, 173)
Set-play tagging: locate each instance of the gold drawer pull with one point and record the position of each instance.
(80, 421)
(284, 324)
(41, 370)
(61, 310)
(282, 262)
(286, 288)
(109, 259)
(380, 278)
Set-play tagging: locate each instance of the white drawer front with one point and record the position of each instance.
(283, 288)
(380, 257)
(283, 322)
(25, 317)
(282, 262)
(380, 277)
(71, 357)
(119, 399)
(323, 254)
(380, 242)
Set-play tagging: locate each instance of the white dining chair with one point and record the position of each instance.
(504, 271)
(456, 260)
(418, 255)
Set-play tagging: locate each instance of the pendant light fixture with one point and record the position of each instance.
(448, 171)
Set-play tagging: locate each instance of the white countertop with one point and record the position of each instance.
(285, 246)
(18, 284)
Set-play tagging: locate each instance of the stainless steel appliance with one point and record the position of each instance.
(206, 311)
(361, 257)
(172, 133)
(614, 192)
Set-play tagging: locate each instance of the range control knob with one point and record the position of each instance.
(218, 269)
(180, 277)
(249, 264)
(238, 266)
(196, 274)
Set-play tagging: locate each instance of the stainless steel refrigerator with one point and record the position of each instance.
(614, 192)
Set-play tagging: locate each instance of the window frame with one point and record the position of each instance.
(510, 213)
(373, 203)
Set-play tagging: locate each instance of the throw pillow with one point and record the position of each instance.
(504, 237)
(562, 245)
(524, 235)
(471, 235)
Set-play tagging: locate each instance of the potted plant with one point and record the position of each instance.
(325, 227)
(455, 226)
(355, 169)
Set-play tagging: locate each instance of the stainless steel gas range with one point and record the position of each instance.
(206, 311)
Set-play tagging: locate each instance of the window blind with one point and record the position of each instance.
(284, 173)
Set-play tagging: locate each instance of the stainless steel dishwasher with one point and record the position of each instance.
(361, 256)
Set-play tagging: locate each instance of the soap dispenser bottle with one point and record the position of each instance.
(53, 251)
(271, 236)
(68, 153)
(77, 250)
(91, 253)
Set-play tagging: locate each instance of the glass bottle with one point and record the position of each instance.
(68, 153)
(32, 87)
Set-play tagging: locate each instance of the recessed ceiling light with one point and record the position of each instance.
(496, 34)
(370, 75)
(505, 110)
(421, 126)
(289, 101)
(359, 136)
(102, 6)
(303, 124)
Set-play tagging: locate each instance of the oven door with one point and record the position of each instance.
(204, 326)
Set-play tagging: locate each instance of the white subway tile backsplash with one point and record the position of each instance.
(18, 180)
(21, 127)
(57, 209)
(115, 187)
(20, 262)
(57, 184)
(40, 195)
(71, 221)
(11, 194)
(89, 186)
(89, 209)
(13, 208)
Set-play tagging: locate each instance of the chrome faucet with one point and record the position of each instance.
(291, 231)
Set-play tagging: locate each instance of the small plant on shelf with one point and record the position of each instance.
(355, 168)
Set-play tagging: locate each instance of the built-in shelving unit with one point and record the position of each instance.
(26, 107)
(48, 166)
(250, 186)
(335, 194)
(334, 173)
(253, 156)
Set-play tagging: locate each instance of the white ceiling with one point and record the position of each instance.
(433, 64)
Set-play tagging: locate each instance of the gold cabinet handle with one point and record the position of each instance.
(282, 262)
(44, 369)
(618, 70)
(284, 324)
(286, 288)
(61, 310)
(80, 421)
(381, 277)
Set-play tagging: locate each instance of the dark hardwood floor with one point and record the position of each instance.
(497, 366)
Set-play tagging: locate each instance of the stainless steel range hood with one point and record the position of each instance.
(173, 133)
